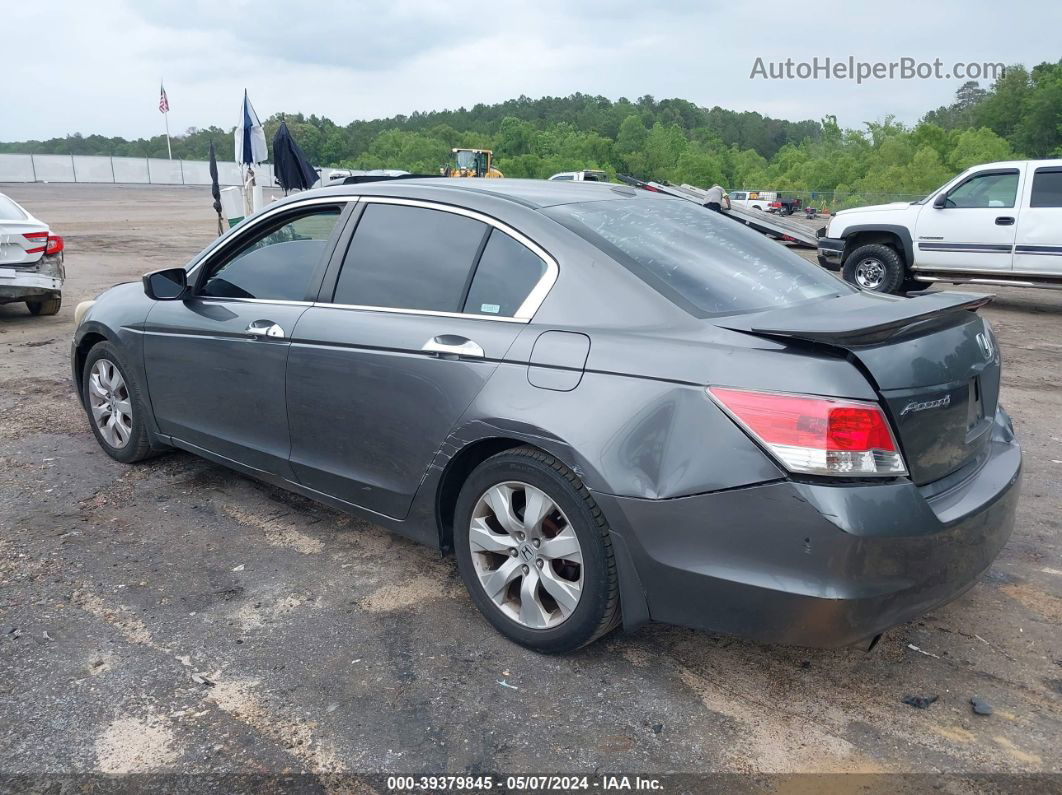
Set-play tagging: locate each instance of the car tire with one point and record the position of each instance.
(876, 268)
(546, 626)
(100, 391)
(47, 306)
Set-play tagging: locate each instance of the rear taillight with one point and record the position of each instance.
(815, 435)
(49, 244)
(36, 237)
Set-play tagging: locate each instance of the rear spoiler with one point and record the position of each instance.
(850, 321)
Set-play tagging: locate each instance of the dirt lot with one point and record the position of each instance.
(176, 616)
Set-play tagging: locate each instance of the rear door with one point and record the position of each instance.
(1039, 237)
(418, 310)
(975, 229)
(215, 362)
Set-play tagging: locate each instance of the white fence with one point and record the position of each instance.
(129, 170)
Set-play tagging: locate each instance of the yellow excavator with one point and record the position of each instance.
(472, 163)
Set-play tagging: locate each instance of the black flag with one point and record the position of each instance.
(215, 188)
(293, 171)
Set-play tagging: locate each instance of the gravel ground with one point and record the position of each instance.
(175, 616)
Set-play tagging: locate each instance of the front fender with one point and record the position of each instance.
(118, 316)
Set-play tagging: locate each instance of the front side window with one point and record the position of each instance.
(997, 189)
(277, 264)
(1047, 188)
(702, 261)
(406, 257)
(506, 274)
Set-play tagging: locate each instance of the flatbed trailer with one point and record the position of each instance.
(761, 222)
(767, 223)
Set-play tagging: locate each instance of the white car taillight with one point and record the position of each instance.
(816, 435)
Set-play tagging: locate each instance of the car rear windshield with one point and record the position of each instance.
(9, 211)
(702, 261)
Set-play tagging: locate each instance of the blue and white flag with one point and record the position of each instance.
(250, 137)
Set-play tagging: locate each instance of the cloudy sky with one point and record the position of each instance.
(95, 66)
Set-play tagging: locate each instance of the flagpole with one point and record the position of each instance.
(164, 106)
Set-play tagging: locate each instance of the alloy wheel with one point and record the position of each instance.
(870, 273)
(526, 555)
(110, 403)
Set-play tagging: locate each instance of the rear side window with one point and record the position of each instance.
(702, 261)
(406, 257)
(505, 276)
(1047, 188)
(9, 211)
(277, 264)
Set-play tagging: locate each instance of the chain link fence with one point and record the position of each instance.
(832, 200)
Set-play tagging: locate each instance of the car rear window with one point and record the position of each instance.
(701, 260)
(9, 211)
(1047, 188)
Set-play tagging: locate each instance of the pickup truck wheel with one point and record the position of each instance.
(48, 306)
(876, 268)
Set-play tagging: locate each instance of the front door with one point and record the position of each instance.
(426, 303)
(216, 361)
(974, 230)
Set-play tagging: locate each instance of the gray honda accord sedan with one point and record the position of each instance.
(614, 407)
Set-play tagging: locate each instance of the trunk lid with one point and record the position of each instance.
(931, 359)
(15, 246)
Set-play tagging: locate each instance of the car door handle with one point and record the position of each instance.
(265, 328)
(453, 345)
(1005, 220)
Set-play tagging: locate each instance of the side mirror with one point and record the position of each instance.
(941, 201)
(167, 285)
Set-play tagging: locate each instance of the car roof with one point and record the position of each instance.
(533, 193)
(1045, 162)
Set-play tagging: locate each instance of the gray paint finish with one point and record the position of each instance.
(608, 376)
(558, 360)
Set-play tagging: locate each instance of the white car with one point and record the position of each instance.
(581, 176)
(31, 260)
(997, 223)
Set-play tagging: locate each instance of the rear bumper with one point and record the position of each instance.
(17, 284)
(830, 252)
(813, 564)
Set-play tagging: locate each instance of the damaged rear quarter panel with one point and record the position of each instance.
(629, 436)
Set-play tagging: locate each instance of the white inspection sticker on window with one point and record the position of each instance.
(491, 308)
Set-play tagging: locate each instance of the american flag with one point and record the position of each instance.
(164, 104)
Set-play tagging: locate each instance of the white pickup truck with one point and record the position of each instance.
(752, 199)
(997, 223)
